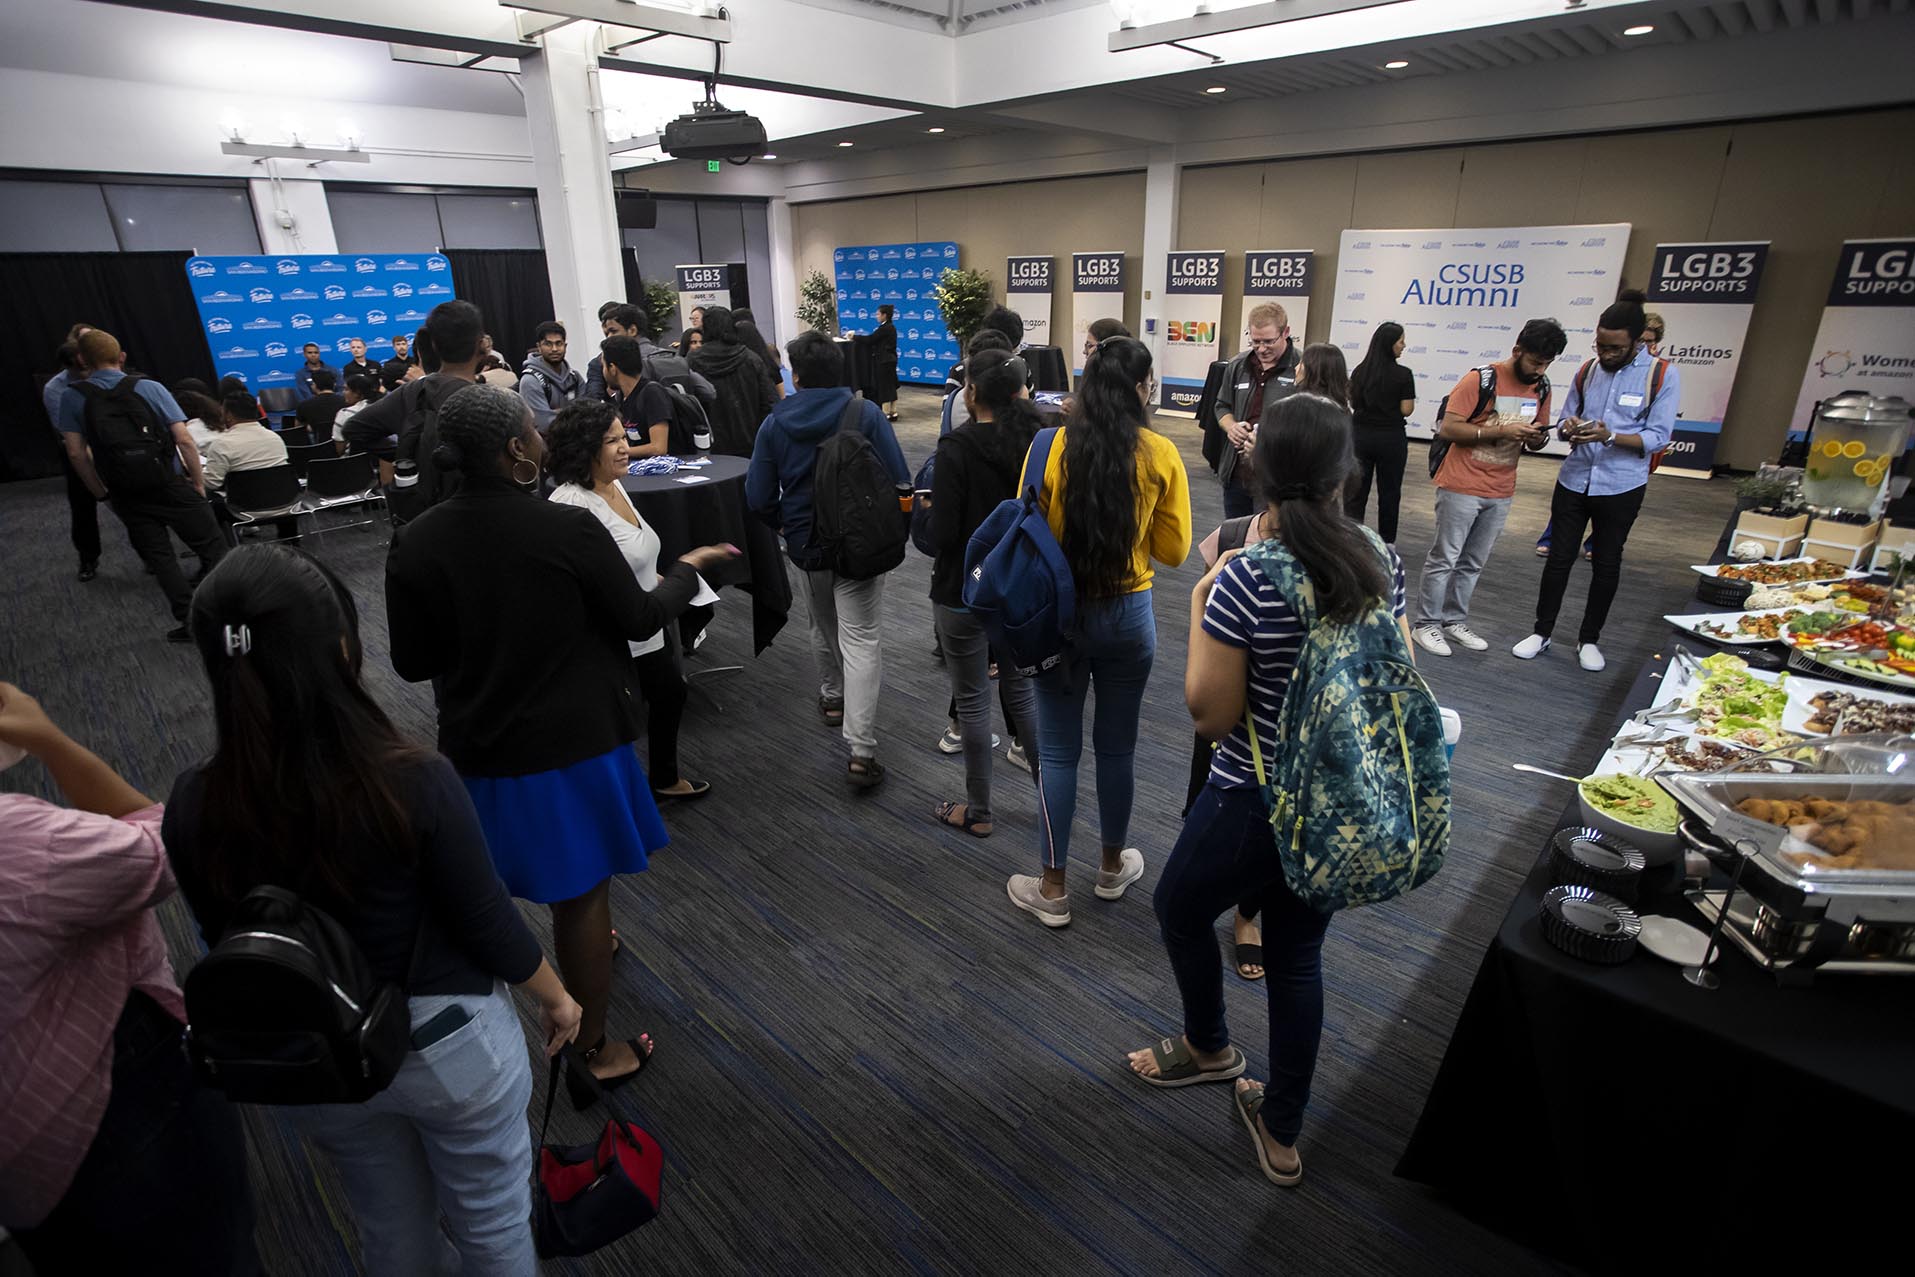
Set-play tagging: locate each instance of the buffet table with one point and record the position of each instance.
(1606, 1114)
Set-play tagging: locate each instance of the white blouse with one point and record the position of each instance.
(638, 544)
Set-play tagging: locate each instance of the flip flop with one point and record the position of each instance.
(1249, 955)
(1176, 1066)
(698, 790)
(1249, 1102)
(969, 824)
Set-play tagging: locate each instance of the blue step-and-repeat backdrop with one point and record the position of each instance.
(904, 275)
(258, 313)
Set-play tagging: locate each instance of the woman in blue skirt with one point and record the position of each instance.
(520, 610)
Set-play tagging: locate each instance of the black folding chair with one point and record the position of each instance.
(339, 482)
(302, 456)
(254, 496)
(296, 437)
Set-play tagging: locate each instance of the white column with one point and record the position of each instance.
(300, 202)
(784, 270)
(565, 115)
(1161, 183)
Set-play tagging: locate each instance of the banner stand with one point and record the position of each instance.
(1097, 292)
(903, 277)
(1280, 276)
(1866, 340)
(1028, 282)
(1705, 294)
(1193, 293)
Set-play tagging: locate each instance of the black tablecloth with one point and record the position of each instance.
(856, 350)
(1048, 369)
(1605, 1113)
(688, 515)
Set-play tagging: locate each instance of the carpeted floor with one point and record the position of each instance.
(868, 1062)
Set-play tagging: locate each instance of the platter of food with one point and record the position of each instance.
(1738, 628)
(1819, 709)
(1878, 651)
(1779, 571)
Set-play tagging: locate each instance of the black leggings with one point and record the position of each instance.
(1382, 452)
(1199, 777)
(664, 690)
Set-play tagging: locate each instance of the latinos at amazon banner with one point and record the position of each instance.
(258, 313)
(1193, 322)
(1462, 295)
(1866, 340)
(1705, 294)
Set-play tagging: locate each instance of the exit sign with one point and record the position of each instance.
(711, 166)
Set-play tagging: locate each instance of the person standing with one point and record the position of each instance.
(883, 390)
(113, 1159)
(303, 377)
(1383, 396)
(586, 455)
(1619, 412)
(548, 383)
(83, 508)
(978, 467)
(641, 404)
(538, 719)
(148, 493)
(310, 788)
(394, 370)
(740, 381)
(1272, 356)
(1116, 497)
(1490, 419)
(751, 339)
(358, 365)
(617, 319)
(844, 614)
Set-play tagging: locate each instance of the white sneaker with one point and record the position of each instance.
(1016, 756)
(1590, 656)
(952, 742)
(1430, 639)
(1465, 636)
(1027, 893)
(1530, 648)
(1112, 886)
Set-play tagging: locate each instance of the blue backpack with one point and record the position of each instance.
(1359, 793)
(1016, 578)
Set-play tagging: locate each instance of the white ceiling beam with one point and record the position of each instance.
(1229, 21)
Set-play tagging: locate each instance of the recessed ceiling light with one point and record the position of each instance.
(934, 129)
(1217, 88)
(1397, 65)
(767, 157)
(1640, 29)
(844, 144)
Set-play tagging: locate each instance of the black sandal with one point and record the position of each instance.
(1249, 955)
(969, 824)
(832, 708)
(865, 773)
(583, 1092)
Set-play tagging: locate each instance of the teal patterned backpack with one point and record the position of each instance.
(1359, 792)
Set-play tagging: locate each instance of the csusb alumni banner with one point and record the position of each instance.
(1462, 295)
(1705, 293)
(1028, 283)
(701, 285)
(1193, 318)
(869, 275)
(1282, 276)
(1866, 340)
(1097, 292)
(258, 313)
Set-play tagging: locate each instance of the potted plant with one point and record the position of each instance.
(661, 303)
(1772, 513)
(818, 304)
(964, 299)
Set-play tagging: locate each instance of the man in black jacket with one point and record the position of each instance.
(1271, 356)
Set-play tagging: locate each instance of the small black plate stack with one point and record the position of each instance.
(1590, 925)
(1582, 857)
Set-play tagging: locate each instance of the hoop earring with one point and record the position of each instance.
(529, 482)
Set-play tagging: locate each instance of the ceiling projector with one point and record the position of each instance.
(711, 132)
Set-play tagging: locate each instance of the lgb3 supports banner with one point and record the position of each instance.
(1097, 292)
(1027, 290)
(259, 313)
(701, 286)
(1278, 276)
(1866, 340)
(1193, 316)
(1705, 294)
(903, 275)
(1462, 295)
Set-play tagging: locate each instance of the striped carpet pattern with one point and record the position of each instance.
(868, 1062)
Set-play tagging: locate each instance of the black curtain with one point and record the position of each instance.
(144, 299)
(512, 290)
(635, 286)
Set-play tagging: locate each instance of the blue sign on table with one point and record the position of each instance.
(870, 275)
(259, 312)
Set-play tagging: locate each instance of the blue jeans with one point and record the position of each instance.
(1115, 645)
(448, 1137)
(1225, 854)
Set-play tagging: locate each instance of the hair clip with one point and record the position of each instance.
(239, 640)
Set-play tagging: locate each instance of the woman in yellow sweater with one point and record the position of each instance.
(1117, 497)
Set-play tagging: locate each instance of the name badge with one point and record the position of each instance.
(1629, 401)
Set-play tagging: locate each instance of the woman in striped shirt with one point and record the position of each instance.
(1244, 645)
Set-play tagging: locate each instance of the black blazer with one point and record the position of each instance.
(521, 609)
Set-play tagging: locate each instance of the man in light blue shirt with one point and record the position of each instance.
(1619, 412)
(83, 508)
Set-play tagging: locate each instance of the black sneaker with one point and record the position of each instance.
(89, 570)
(181, 635)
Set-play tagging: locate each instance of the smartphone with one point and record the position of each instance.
(440, 1027)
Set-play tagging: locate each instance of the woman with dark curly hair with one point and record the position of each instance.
(585, 453)
(520, 610)
(1116, 496)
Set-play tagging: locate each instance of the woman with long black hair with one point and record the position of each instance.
(311, 788)
(977, 468)
(1382, 397)
(520, 611)
(1116, 496)
(1244, 646)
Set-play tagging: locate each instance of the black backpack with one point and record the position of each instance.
(689, 423)
(418, 484)
(285, 1009)
(1485, 396)
(133, 450)
(855, 520)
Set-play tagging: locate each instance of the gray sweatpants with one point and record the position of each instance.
(1466, 531)
(844, 638)
(967, 658)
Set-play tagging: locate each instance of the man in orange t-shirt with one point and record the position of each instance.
(1488, 432)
